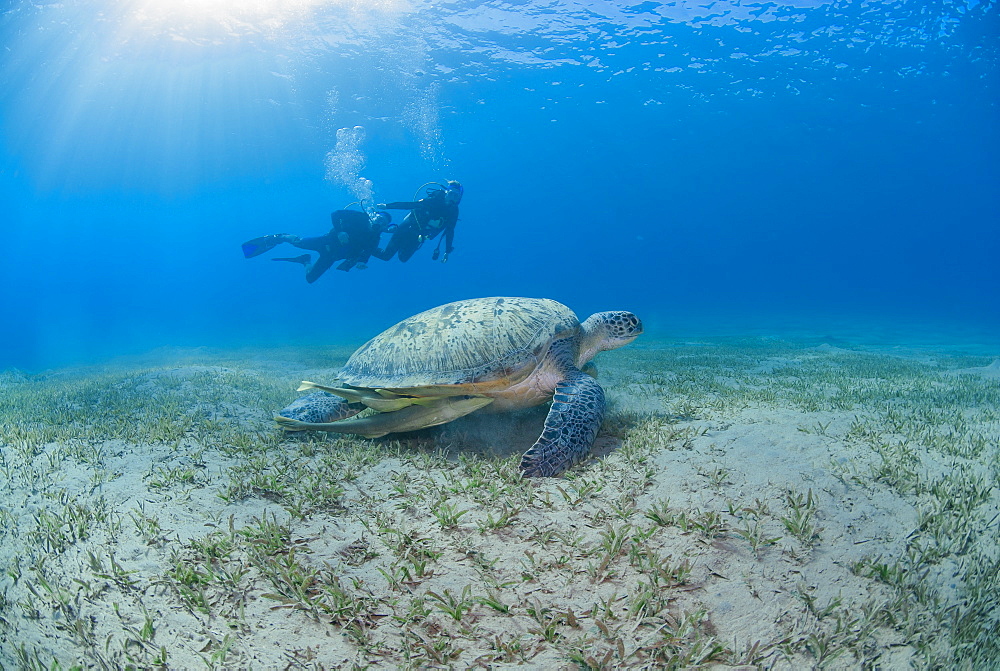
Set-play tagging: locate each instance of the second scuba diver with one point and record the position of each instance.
(353, 238)
(437, 212)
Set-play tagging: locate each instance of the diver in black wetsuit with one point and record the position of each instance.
(353, 238)
(428, 217)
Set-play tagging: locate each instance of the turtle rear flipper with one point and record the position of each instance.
(376, 399)
(383, 400)
(410, 418)
(570, 427)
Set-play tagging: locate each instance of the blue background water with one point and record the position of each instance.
(713, 166)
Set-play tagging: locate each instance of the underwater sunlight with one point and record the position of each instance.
(212, 21)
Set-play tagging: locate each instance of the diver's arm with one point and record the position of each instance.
(449, 237)
(365, 252)
(374, 244)
(449, 231)
(367, 247)
(352, 256)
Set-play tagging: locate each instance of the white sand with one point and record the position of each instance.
(155, 552)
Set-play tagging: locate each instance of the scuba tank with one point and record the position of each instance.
(440, 187)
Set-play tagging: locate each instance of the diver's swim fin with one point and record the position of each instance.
(258, 246)
(304, 259)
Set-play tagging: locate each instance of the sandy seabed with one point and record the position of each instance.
(751, 503)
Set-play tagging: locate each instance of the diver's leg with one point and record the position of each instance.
(314, 244)
(322, 264)
(304, 259)
(409, 248)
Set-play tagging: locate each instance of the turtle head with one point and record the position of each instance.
(607, 330)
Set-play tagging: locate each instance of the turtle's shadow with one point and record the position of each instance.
(487, 435)
(503, 435)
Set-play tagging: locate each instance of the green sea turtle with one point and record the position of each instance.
(494, 353)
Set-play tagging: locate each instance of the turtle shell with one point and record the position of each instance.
(479, 344)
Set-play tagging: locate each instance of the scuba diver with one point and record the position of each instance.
(353, 238)
(429, 216)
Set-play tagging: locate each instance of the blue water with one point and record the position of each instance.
(713, 166)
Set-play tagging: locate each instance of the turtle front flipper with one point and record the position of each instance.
(570, 427)
(319, 407)
(410, 418)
